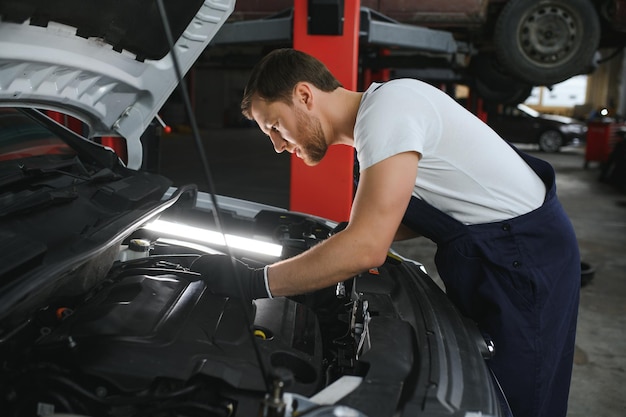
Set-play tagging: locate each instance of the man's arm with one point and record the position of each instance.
(380, 202)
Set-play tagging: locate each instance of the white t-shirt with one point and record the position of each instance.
(466, 169)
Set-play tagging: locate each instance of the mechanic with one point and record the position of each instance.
(506, 251)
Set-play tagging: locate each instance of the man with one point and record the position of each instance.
(507, 252)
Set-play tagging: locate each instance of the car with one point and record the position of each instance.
(523, 124)
(506, 46)
(101, 312)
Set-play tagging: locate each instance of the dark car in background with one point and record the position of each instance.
(522, 124)
(101, 313)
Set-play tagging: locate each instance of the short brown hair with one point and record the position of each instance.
(275, 76)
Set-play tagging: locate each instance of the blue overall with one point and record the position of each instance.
(519, 280)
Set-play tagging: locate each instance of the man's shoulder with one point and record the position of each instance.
(405, 82)
(402, 86)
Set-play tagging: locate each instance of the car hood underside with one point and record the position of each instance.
(105, 63)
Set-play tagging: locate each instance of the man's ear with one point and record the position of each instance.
(303, 94)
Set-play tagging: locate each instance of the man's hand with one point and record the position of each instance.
(223, 273)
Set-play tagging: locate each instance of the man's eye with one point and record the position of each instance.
(275, 127)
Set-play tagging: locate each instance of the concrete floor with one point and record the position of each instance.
(597, 210)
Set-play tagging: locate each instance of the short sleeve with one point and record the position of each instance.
(394, 117)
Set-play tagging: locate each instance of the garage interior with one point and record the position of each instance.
(244, 165)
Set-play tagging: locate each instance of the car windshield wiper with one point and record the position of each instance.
(38, 200)
(105, 174)
(36, 170)
(25, 171)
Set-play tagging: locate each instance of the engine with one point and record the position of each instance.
(152, 340)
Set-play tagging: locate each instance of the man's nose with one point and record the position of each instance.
(279, 143)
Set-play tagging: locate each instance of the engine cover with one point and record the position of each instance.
(166, 324)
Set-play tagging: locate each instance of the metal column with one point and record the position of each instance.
(328, 30)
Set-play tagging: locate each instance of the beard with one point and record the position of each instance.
(314, 144)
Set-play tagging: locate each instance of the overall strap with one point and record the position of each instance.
(441, 228)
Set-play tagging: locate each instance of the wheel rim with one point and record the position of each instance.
(550, 141)
(549, 35)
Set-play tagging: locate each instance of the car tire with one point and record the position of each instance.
(544, 42)
(550, 141)
(493, 84)
(514, 94)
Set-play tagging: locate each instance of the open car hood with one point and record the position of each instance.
(106, 63)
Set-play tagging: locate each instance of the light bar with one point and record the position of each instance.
(208, 236)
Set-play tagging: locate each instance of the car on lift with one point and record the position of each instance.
(508, 46)
(523, 124)
(101, 312)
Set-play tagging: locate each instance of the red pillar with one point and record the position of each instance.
(326, 190)
(381, 75)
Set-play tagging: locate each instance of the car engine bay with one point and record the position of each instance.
(152, 340)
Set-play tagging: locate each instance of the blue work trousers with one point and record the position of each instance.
(519, 280)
